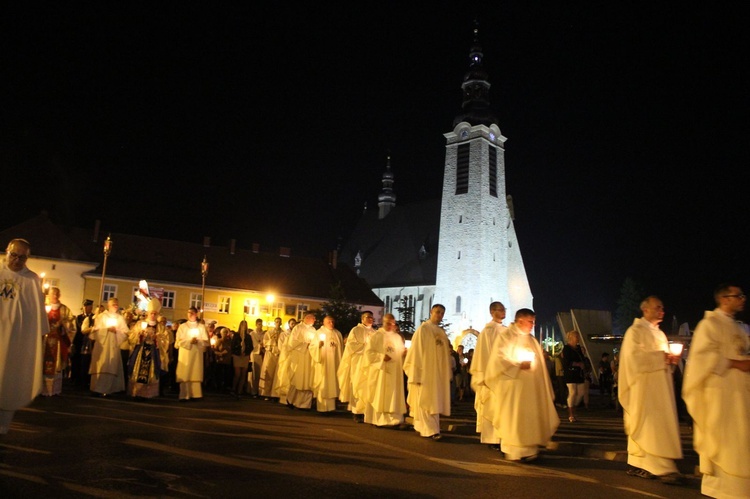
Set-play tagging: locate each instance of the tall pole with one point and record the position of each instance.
(107, 251)
(204, 272)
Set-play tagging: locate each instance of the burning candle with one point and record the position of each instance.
(144, 325)
(322, 336)
(48, 308)
(675, 348)
(193, 332)
(111, 321)
(310, 336)
(525, 355)
(213, 341)
(407, 343)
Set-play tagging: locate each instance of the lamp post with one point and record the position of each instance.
(204, 273)
(107, 251)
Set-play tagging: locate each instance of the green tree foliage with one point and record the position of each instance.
(406, 317)
(628, 305)
(345, 314)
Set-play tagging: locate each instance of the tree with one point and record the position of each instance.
(406, 317)
(628, 305)
(345, 314)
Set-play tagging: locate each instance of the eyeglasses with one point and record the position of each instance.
(741, 297)
(23, 258)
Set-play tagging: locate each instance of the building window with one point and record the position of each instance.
(196, 300)
(109, 291)
(301, 311)
(224, 304)
(277, 310)
(458, 304)
(387, 304)
(250, 307)
(167, 299)
(493, 172)
(462, 169)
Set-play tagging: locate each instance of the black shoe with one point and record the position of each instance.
(358, 418)
(529, 459)
(672, 479)
(495, 447)
(436, 437)
(641, 473)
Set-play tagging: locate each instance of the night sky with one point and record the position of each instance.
(627, 128)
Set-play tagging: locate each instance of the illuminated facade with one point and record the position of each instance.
(461, 250)
(240, 283)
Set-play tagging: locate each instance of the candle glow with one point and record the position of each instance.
(144, 325)
(675, 348)
(194, 332)
(525, 355)
(322, 336)
(111, 322)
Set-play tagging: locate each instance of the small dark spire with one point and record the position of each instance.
(476, 89)
(386, 198)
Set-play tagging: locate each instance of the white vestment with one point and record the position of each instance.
(281, 380)
(189, 373)
(107, 372)
(384, 393)
(326, 360)
(718, 399)
(522, 410)
(351, 381)
(482, 394)
(23, 324)
(256, 361)
(428, 369)
(646, 394)
(300, 365)
(270, 362)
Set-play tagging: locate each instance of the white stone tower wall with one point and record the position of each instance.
(474, 225)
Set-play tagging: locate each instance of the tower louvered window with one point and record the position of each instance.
(462, 169)
(493, 172)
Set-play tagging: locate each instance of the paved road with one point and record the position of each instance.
(76, 445)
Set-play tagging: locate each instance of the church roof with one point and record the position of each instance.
(398, 250)
(177, 262)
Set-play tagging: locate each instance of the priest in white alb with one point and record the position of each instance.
(428, 369)
(522, 410)
(482, 356)
(382, 368)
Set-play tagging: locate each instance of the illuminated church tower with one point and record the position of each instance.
(461, 249)
(479, 260)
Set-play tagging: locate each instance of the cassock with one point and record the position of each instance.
(646, 394)
(351, 381)
(189, 372)
(384, 396)
(428, 369)
(522, 412)
(718, 399)
(482, 394)
(326, 360)
(107, 373)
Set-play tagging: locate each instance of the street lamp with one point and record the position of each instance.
(204, 273)
(107, 251)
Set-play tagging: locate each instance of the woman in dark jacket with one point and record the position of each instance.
(573, 365)
(242, 345)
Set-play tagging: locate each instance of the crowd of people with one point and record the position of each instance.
(381, 380)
